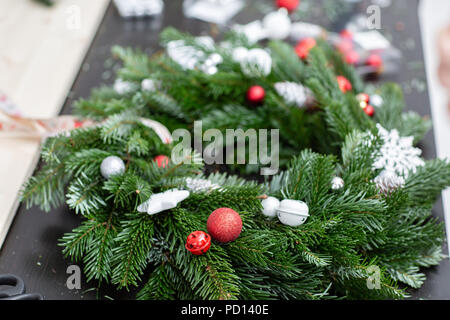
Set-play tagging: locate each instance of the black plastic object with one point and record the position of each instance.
(13, 288)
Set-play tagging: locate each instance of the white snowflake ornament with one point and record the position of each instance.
(397, 154)
(163, 201)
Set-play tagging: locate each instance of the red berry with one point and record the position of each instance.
(198, 242)
(352, 57)
(369, 110)
(290, 5)
(363, 97)
(302, 48)
(224, 225)
(374, 60)
(162, 161)
(256, 94)
(346, 34)
(344, 84)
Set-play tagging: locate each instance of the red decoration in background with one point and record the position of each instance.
(161, 160)
(369, 110)
(224, 225)
(302, 48)
(198, 242)
(344, 84)
(256, 94)
(352, 57)
(374, 60)
(344, 46)
(363, 97)
(290, 5)
(346, 34)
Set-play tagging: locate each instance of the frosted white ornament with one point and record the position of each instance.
(201, 185)
(163, 201)
(337, 183)
(292, 212)
(388, 181)
(270, 206)
(277, 24)
(111, 166)
(292, 92)
(257, 63)
(239, 54)
(376, 100)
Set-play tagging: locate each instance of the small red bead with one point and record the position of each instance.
(374, 60)
(198, 242)
(369, 110)
(344, 84)
(352, 57)
(304, 46)
(162, 161)
(290, 5)
(346, 34)
(256, 94)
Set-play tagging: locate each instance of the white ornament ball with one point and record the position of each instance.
(292, 212)
(277, 24)
(111, 166)
(270, 206)
(239, 54)
(148, 85)
(258, 63)
(337, 183)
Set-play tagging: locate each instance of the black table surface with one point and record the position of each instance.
(31, 251)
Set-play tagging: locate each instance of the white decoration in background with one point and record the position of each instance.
(292, 212)
(139, 8)
(148, 85)
(254, 31)
(292, 92)
(397, 154)
(270, 206)
(163, 201)
(111, 166)
(388, 181)
(200, 185)
(301, 30)
(123, 87)
(215, 11)
(256, 63)
(371, 40)
(337, 183)
(191, 58)
(376, 100)
(277, 24)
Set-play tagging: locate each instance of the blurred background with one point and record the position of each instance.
(53, 52)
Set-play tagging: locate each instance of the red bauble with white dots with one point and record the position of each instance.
(198, 242)
(162, 161)
(290, 5)
(224, 225)
(256, 94)
(344, 84)
(304, 46)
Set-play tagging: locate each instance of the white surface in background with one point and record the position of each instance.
(215, 11)
(434, 15)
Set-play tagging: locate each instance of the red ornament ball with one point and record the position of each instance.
(256, 94)
(224, 225)
(352, 57)
(369, 110)
(290, 5)
(302, 48)
(363, 97)
(162, 161)
(198, 242)
(344, 84)
(374, 60)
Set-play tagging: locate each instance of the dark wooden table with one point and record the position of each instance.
(31, 249)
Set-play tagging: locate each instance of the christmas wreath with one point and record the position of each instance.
(349, 214)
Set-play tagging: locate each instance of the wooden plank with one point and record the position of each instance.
(41, 50)
(434, 15)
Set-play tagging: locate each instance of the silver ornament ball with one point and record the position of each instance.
(111, 166)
